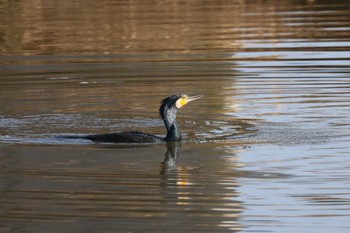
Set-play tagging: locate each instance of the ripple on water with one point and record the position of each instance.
(40, 129)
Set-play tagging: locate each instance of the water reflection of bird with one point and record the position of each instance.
(168, 110)
(171, 155)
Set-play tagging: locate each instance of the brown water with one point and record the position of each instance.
(266, 150)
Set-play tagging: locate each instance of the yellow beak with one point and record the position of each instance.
(186, 99)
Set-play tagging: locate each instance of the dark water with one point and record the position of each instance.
(266, 150)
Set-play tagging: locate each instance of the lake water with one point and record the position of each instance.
(266, 150)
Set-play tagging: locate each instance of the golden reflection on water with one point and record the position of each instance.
(79, 27)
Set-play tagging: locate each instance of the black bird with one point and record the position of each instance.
(168, 110)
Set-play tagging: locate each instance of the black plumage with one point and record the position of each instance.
(168, 111)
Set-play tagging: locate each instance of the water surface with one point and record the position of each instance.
(266, 150)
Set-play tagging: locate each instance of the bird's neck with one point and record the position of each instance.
(173, 133)
(173, 130)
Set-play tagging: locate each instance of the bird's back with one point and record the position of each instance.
(125, 137)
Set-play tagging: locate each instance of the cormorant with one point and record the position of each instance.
(168, 110)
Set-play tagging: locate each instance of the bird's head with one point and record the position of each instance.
(168, 110)
(174, 102)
